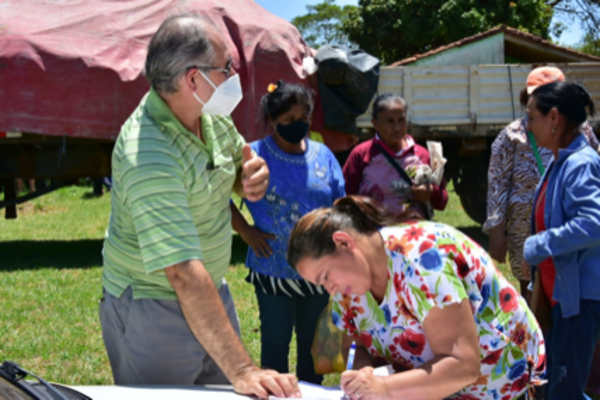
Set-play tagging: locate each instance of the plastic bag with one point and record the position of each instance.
(422, 174)
(327, 345)
(348, 80)
(437, 161)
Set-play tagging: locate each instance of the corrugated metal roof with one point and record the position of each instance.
(520, 45)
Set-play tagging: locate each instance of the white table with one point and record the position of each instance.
(212, 392)
(216, 392)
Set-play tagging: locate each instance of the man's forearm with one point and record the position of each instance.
(204, 312)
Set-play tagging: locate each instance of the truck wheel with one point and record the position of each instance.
(474, 205)
(471, 187)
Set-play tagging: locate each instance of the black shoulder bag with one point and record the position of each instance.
(15, 385)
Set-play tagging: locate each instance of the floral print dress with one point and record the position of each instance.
(431, 264)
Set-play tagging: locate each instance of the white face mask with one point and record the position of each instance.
(225, 97)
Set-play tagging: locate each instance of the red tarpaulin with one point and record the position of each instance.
(73, 67)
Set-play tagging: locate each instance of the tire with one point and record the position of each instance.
(472, 188)
(474, 205)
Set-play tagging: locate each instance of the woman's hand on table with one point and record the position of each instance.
(362, 384)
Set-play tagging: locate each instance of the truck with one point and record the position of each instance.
(71, 73)
(465, 108)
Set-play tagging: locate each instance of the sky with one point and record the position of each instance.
(288, 9)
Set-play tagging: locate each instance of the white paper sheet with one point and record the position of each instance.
(316, 392)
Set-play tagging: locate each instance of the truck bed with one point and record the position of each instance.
(469, 100)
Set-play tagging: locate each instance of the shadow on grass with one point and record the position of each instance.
(62, 254)
(475, 233)
(58, 254)
(91, 195)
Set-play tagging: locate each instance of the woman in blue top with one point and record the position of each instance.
(304, 176)
(566, 241)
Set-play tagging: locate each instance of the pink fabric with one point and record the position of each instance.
(368, 173)
(74, 67)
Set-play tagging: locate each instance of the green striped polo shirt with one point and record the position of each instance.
(170, 199)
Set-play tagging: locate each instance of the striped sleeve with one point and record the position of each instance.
(153, 182)
(589, 134)
(238, 143)
(499, 180)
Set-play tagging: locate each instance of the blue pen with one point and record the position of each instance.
(350, 363)
(351, 354)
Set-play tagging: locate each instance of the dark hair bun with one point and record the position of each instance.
(367, 214)
(585, 97)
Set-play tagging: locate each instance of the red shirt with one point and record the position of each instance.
(547, 270)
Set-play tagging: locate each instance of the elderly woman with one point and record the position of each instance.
(372, 167)
(516, 165)
(566, 244)
(422, 297)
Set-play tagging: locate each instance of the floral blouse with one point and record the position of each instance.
(431, 264)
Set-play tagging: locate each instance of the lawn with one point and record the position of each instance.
(50, 269)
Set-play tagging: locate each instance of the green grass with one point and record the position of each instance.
(50, 269)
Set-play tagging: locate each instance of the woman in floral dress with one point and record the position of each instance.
(422, 297)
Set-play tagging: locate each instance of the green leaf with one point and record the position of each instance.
(485, 332)
(503, 318)
(488, 315)
(336, 307)
(454, 281)
(422, 300)
(388, 353)
(364, 325)
(500, 367)
(377, 312)
(437, 284)
(378, 345)
(516, 352)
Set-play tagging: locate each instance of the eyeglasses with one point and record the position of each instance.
(226, 70)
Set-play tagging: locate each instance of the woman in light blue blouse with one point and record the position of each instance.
(304, 176)
(565, 245)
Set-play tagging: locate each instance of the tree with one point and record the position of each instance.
(395, 29)
(587, 14)
(323, 24)
(589, 45)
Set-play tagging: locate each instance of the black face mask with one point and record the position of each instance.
(294, 132)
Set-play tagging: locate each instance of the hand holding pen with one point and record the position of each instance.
(350, 363)
(361, 384)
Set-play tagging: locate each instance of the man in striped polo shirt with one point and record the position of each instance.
(167, 314)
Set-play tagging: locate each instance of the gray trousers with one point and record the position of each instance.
(150, 343)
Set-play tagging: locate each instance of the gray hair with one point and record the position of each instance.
(386, 100)
(179, 43)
